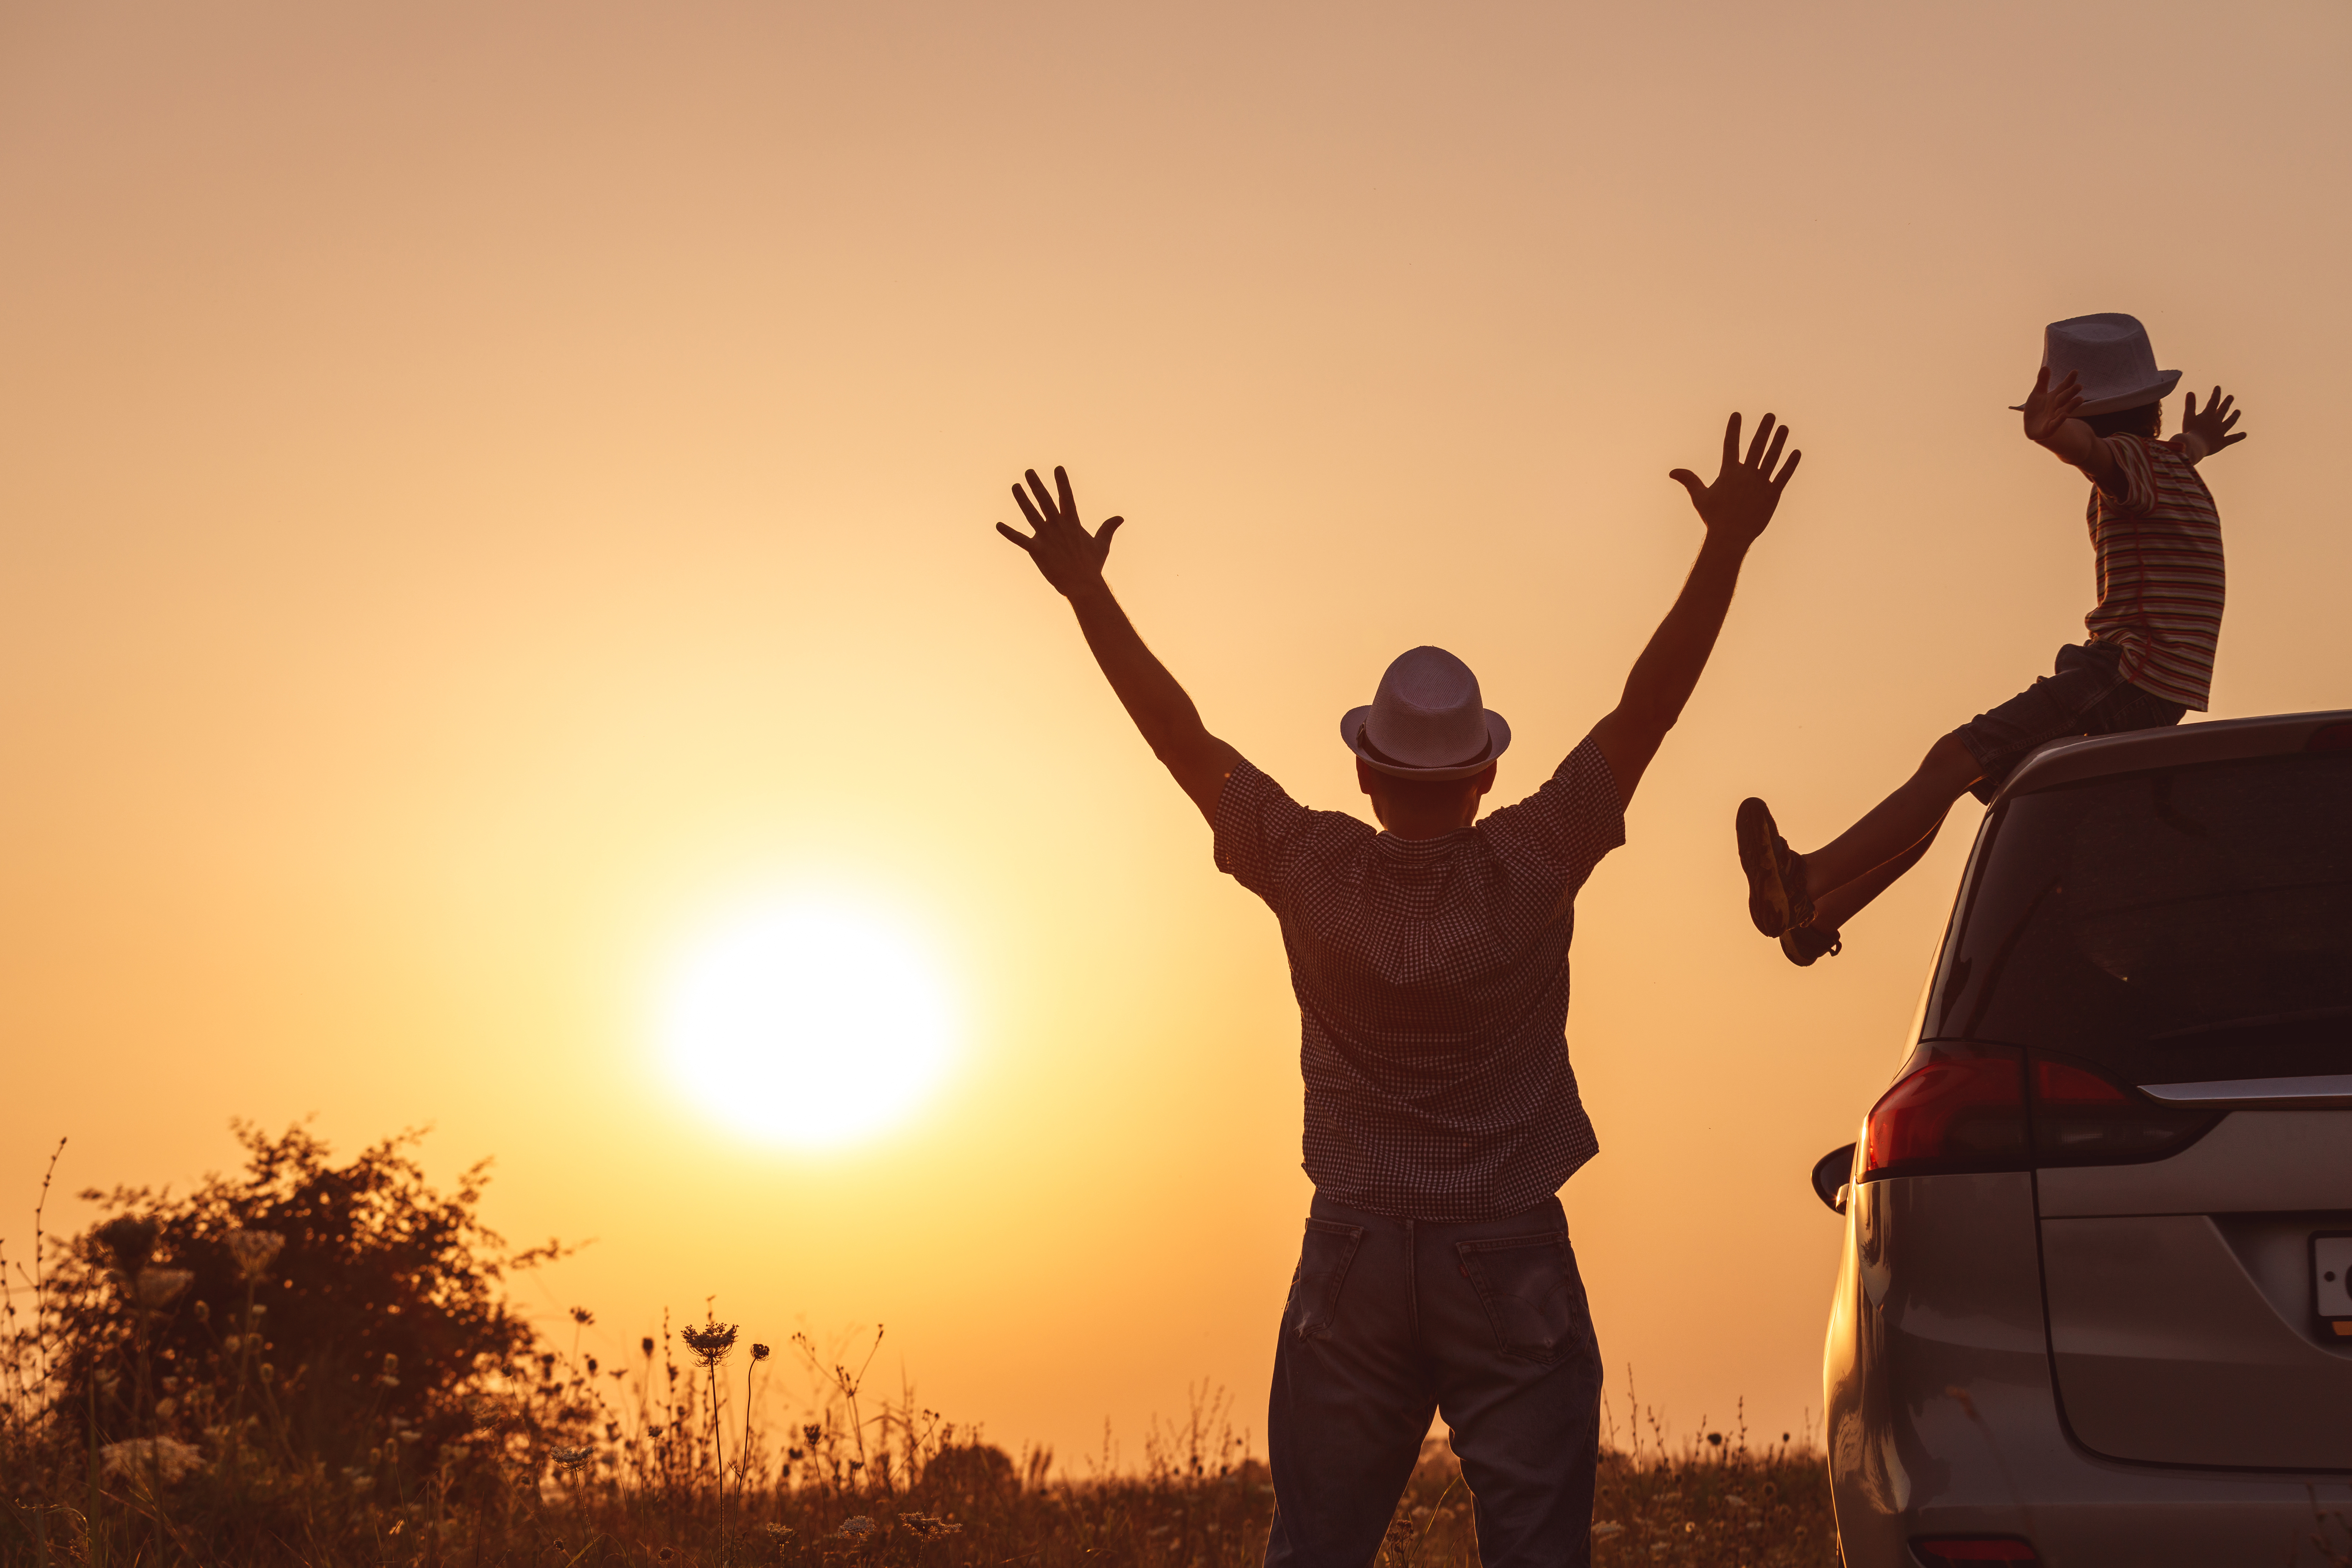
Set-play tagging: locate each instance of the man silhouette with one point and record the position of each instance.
(1429, 959)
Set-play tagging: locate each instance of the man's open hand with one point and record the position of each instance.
(2211, 428)
(1740, 502)
(2047, 408)
(1071, 558)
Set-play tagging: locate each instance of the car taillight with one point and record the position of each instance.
(2084, 1118)
(1957, 1108)
(1938, 1550)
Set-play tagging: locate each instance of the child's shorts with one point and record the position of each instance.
(2087, 694)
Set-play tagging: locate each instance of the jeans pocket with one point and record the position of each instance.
(1532, 1296)
(1323, 1262)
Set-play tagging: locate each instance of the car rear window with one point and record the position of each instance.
(2173, 925)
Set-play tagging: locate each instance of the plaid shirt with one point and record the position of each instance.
(1431, 977)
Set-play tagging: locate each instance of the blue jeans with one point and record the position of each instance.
(1391, 1320)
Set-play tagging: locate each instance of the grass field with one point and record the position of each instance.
(315, 1364)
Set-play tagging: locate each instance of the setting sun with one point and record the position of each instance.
(807, 1023)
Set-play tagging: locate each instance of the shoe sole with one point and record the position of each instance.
(1767, 900)
(1793, 947)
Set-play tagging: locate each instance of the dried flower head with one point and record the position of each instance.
(857, 1528)
(572, 1458)
(929, 1526)
(583, 1316)
(129, 1242)
(646, 1345)
(268, 1372)
(780, 1532)
(255, 1251)
(158, 1288)
(759, 1352)
(712, 1342)
(166, 1458)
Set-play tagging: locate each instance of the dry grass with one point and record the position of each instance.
(181, 1387)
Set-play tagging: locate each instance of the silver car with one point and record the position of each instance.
(2098, 1234)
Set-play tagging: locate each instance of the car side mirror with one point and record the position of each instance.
(1831, 1172)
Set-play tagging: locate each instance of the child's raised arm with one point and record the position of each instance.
(2202, 434)
(2049, 422)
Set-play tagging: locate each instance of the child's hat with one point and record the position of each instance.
(2110, 353)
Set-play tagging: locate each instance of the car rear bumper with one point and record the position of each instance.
(1943, 1419)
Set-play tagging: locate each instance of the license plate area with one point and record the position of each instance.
(2331, 1279)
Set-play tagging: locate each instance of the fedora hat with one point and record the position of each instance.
(2111, 354)
(1426, 720)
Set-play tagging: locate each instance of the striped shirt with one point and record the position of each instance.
(2159, 564)
(1431, 978)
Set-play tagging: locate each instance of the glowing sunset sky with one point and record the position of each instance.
(489, 487)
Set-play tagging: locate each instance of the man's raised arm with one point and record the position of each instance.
(1072, 561)
(1736, 508)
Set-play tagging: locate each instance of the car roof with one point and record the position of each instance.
(2089, 756)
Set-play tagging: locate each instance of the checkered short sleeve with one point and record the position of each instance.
(1261, 832)
(1568, 825)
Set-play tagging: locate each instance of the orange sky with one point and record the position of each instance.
(486, 486)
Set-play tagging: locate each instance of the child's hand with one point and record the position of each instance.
(2210, 429)
(2047, 408)
(1742, 501)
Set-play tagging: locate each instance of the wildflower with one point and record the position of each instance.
(572, 1458)
(646, 1345)
(255, 1251)
(131, 1241)
(159, 1287)
(929, 1527)
(779, 1532)
(591, 1366)
(712, 1342)
(166, 1458)
(204, 1313)
(758, 1352)
(1715, 1440)
(857, 1528)
(583, 1316)
(812, 1432)
(794, 1454)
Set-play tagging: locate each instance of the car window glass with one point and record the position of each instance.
(2173, 924)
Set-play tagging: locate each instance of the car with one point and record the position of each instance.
(2093, 1306)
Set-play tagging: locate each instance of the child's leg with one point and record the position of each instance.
(1899, 828)
(1832, 910)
